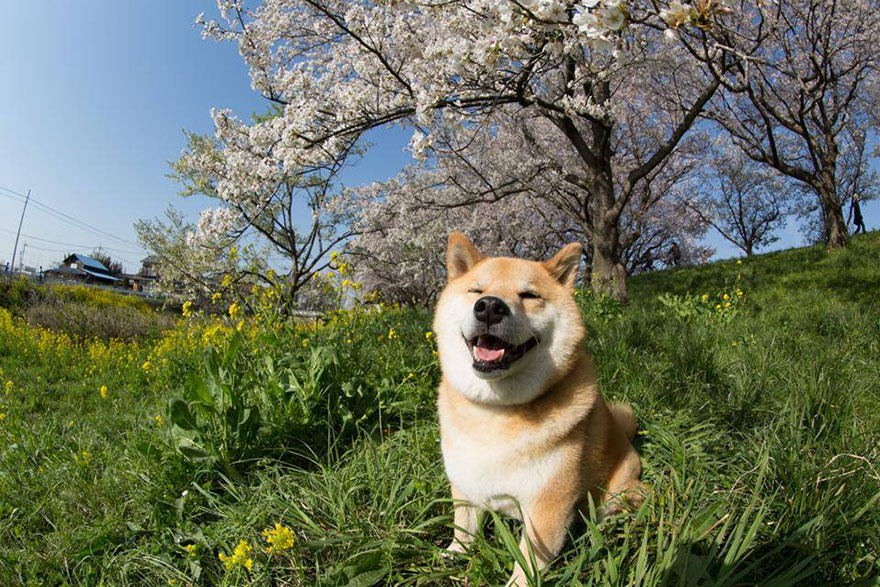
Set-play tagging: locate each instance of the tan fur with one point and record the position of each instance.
(535, 443)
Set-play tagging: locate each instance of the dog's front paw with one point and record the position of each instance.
(517, 579)
(455, 548)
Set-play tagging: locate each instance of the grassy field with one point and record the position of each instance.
(239, 451)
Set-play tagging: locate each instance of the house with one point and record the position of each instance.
(145, 280)
(84, 268)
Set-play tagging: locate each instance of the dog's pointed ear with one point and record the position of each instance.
(461, 255)
(564, 264)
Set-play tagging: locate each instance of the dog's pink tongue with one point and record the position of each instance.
(488, 355)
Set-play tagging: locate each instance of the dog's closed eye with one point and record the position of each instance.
(528, 295)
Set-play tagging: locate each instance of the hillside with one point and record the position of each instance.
(175, 458)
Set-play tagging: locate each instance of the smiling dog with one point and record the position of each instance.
(524, 430)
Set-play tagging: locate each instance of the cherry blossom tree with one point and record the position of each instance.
(399, 251)
(199, 259)
(262, 201)
(746, 202)
(337, 68)
(804, 82)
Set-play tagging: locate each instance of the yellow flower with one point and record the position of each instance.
(83, 458)
(725, 297)
(240, 557)
(280, 538)
(9, 386)
(103, 392)
(186, 309)
(305, 342)
(216, 297)
(717, 306)
(190, 549)
(739, 262)
(227, 281)
(739, 292)
(429, 335)
(2, 416)
(391, 333)
(159, 419)
(704, 297)
(234, 310)
(146, 366)
(727, 305)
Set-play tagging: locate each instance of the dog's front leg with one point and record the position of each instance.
(466, 520)
(545, 527)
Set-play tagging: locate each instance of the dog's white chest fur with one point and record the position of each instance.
(498, 475)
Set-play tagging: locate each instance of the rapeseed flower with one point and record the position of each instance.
(8, 387)
(280, 538)
(103, 392)
(159, 419)
(186, 309)
(240, 557)
(391, 333)
(234, 310)
(216, 297)
(190, 549)
(429, 335)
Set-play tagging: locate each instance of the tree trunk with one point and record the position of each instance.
(836, 234)
(608, 276)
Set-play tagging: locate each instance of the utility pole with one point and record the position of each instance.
(20, 222)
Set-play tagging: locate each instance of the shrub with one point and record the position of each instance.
(16, 295)
(85, 321)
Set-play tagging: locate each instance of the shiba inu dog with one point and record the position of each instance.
(524, 430)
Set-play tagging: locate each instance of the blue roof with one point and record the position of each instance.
(106, 276)
(91, 263)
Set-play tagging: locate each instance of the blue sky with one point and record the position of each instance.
(94, 101)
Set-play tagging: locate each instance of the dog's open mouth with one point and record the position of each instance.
(492, 353)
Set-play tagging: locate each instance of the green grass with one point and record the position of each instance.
(758, 431)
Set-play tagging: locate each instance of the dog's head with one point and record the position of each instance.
(507, 328)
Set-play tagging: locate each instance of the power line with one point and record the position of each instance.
(70, 219)
(72, 245)
(80, 249)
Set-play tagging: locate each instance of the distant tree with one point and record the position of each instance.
(115, 267)
(400, 249)
(744, 201)
(195, 259)
(807, 81)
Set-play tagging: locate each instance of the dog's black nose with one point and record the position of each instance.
(490, 310)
